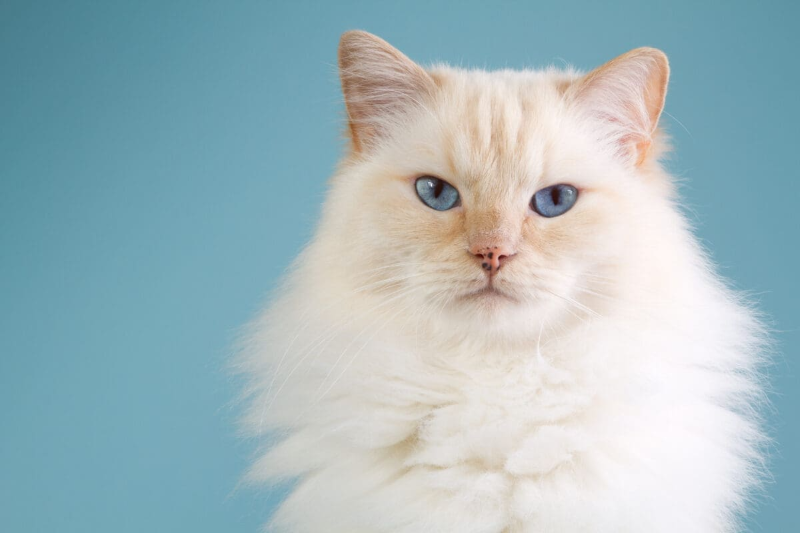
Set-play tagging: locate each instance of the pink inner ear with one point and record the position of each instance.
(379, 82)
(627, 94)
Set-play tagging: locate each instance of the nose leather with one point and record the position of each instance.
(491, 257)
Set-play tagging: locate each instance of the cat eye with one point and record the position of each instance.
(554, 200)
(436, 193)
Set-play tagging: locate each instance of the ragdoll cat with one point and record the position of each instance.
(504, 322)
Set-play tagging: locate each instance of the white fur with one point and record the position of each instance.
(619, 394)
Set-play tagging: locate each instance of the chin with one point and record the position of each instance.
(491, 311)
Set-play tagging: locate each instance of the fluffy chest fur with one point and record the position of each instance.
(609, 429)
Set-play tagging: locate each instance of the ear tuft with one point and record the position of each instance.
(379, 83)
(627, 95)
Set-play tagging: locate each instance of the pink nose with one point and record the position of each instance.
(491, 258)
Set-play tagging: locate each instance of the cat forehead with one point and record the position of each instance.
(499, 125)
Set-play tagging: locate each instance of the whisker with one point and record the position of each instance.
(336, 329)
(355, 355)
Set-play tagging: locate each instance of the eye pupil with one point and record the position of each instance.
(555, 195)
(438, 188)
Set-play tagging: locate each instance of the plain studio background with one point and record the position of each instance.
(163, 162)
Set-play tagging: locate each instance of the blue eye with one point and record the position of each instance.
(554, 200)
(436, 193)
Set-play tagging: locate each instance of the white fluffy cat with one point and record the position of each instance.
(504, 323)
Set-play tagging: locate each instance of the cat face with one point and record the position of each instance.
(438, 200)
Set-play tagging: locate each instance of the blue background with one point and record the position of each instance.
(162, 162)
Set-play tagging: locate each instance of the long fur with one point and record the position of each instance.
(613, 387)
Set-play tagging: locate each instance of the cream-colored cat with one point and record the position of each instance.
(504, 322)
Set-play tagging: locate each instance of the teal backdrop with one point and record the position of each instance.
(161, 162)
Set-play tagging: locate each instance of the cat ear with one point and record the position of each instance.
(379, 83)
(627, 95)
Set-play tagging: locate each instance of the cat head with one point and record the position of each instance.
(492, 197)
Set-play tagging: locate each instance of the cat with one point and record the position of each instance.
(504, 322)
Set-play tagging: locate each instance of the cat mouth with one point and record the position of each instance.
(489, 292)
